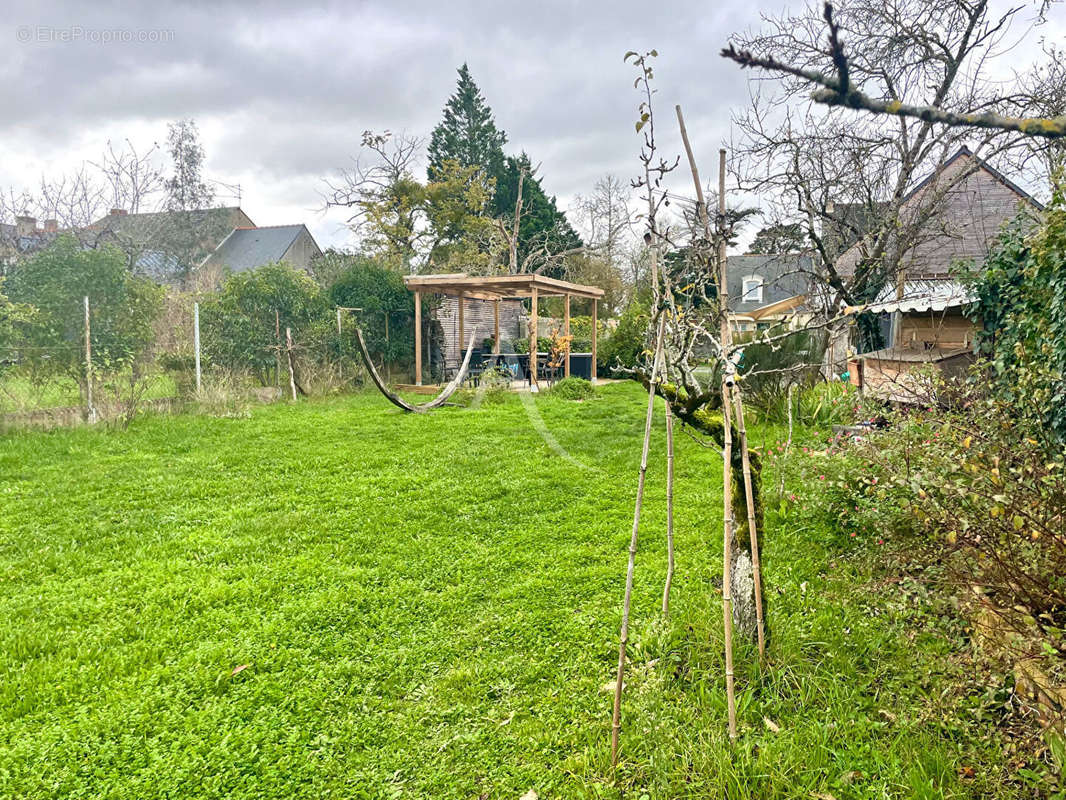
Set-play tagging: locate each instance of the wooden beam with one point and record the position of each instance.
(533, 342)
(496, 327)
(418, 338)
(592, 374)
(500, 285)
(566, 332)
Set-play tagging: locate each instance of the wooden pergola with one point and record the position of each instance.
(499, 287)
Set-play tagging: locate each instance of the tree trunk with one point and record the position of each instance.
(742, 574)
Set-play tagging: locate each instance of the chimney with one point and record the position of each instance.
(119, 212)
(26, 226)
(51, 226)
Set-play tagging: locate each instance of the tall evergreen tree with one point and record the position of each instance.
(467, 134)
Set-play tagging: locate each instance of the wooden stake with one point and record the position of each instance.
(496, 326)
(727, 423)
(623, 638)
(90, 408)
(533, 343)
(292, 371)
(594, 324)
(418, 338)
(566, 332)
(749, 497)
(669, 509)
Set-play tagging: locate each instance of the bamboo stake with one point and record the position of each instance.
(623, 638)
(727, 554)
(749, 497)
(669, 509)
(727, 449)
(727, 444)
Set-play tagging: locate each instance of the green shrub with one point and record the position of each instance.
(54, 282)
(581, 330)
(573, 389)
(768, 371)
(381, 295)
(627, 342)
(242, 323)
(544, 345)
(969, 488)
(1021, 306)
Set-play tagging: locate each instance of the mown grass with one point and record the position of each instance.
(428, 607)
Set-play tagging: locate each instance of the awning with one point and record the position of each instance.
(918, 295)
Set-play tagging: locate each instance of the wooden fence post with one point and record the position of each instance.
(90, 408)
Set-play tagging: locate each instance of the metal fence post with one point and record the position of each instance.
(196, 341)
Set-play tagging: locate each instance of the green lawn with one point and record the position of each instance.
(428, 607)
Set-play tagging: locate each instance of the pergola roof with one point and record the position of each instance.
(495, 287)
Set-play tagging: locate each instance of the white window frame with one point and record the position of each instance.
(753, 294)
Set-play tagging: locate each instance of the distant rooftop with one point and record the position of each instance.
(248, 248)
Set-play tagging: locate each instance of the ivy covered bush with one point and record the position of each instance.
(1021, 309)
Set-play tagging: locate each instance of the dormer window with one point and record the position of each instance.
(752, 289)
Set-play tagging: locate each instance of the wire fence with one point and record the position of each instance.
(97, 368)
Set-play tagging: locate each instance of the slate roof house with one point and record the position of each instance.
(246, 248)
(22, 238)
(225, 239)
(922, 312)
(765, 290)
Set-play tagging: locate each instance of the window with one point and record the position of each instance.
(752, 289)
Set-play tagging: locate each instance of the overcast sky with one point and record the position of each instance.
(282, 91)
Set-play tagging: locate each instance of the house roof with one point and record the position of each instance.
(780, 307)
(148, 219)
(930, 356)
(783, 275)
(248, 248)
(982, 164)
(961, 226)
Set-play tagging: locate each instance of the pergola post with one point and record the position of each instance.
(566, 332)
(462, 330)
(592, 374)
(533, 341)
(496, 327)
(418, 338)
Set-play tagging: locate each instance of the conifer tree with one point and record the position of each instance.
(467, 134)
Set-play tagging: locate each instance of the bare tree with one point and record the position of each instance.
(542, 252)
(606, 220)
(849, 179)
(843, 85)
(382, 194)
(134, 179)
